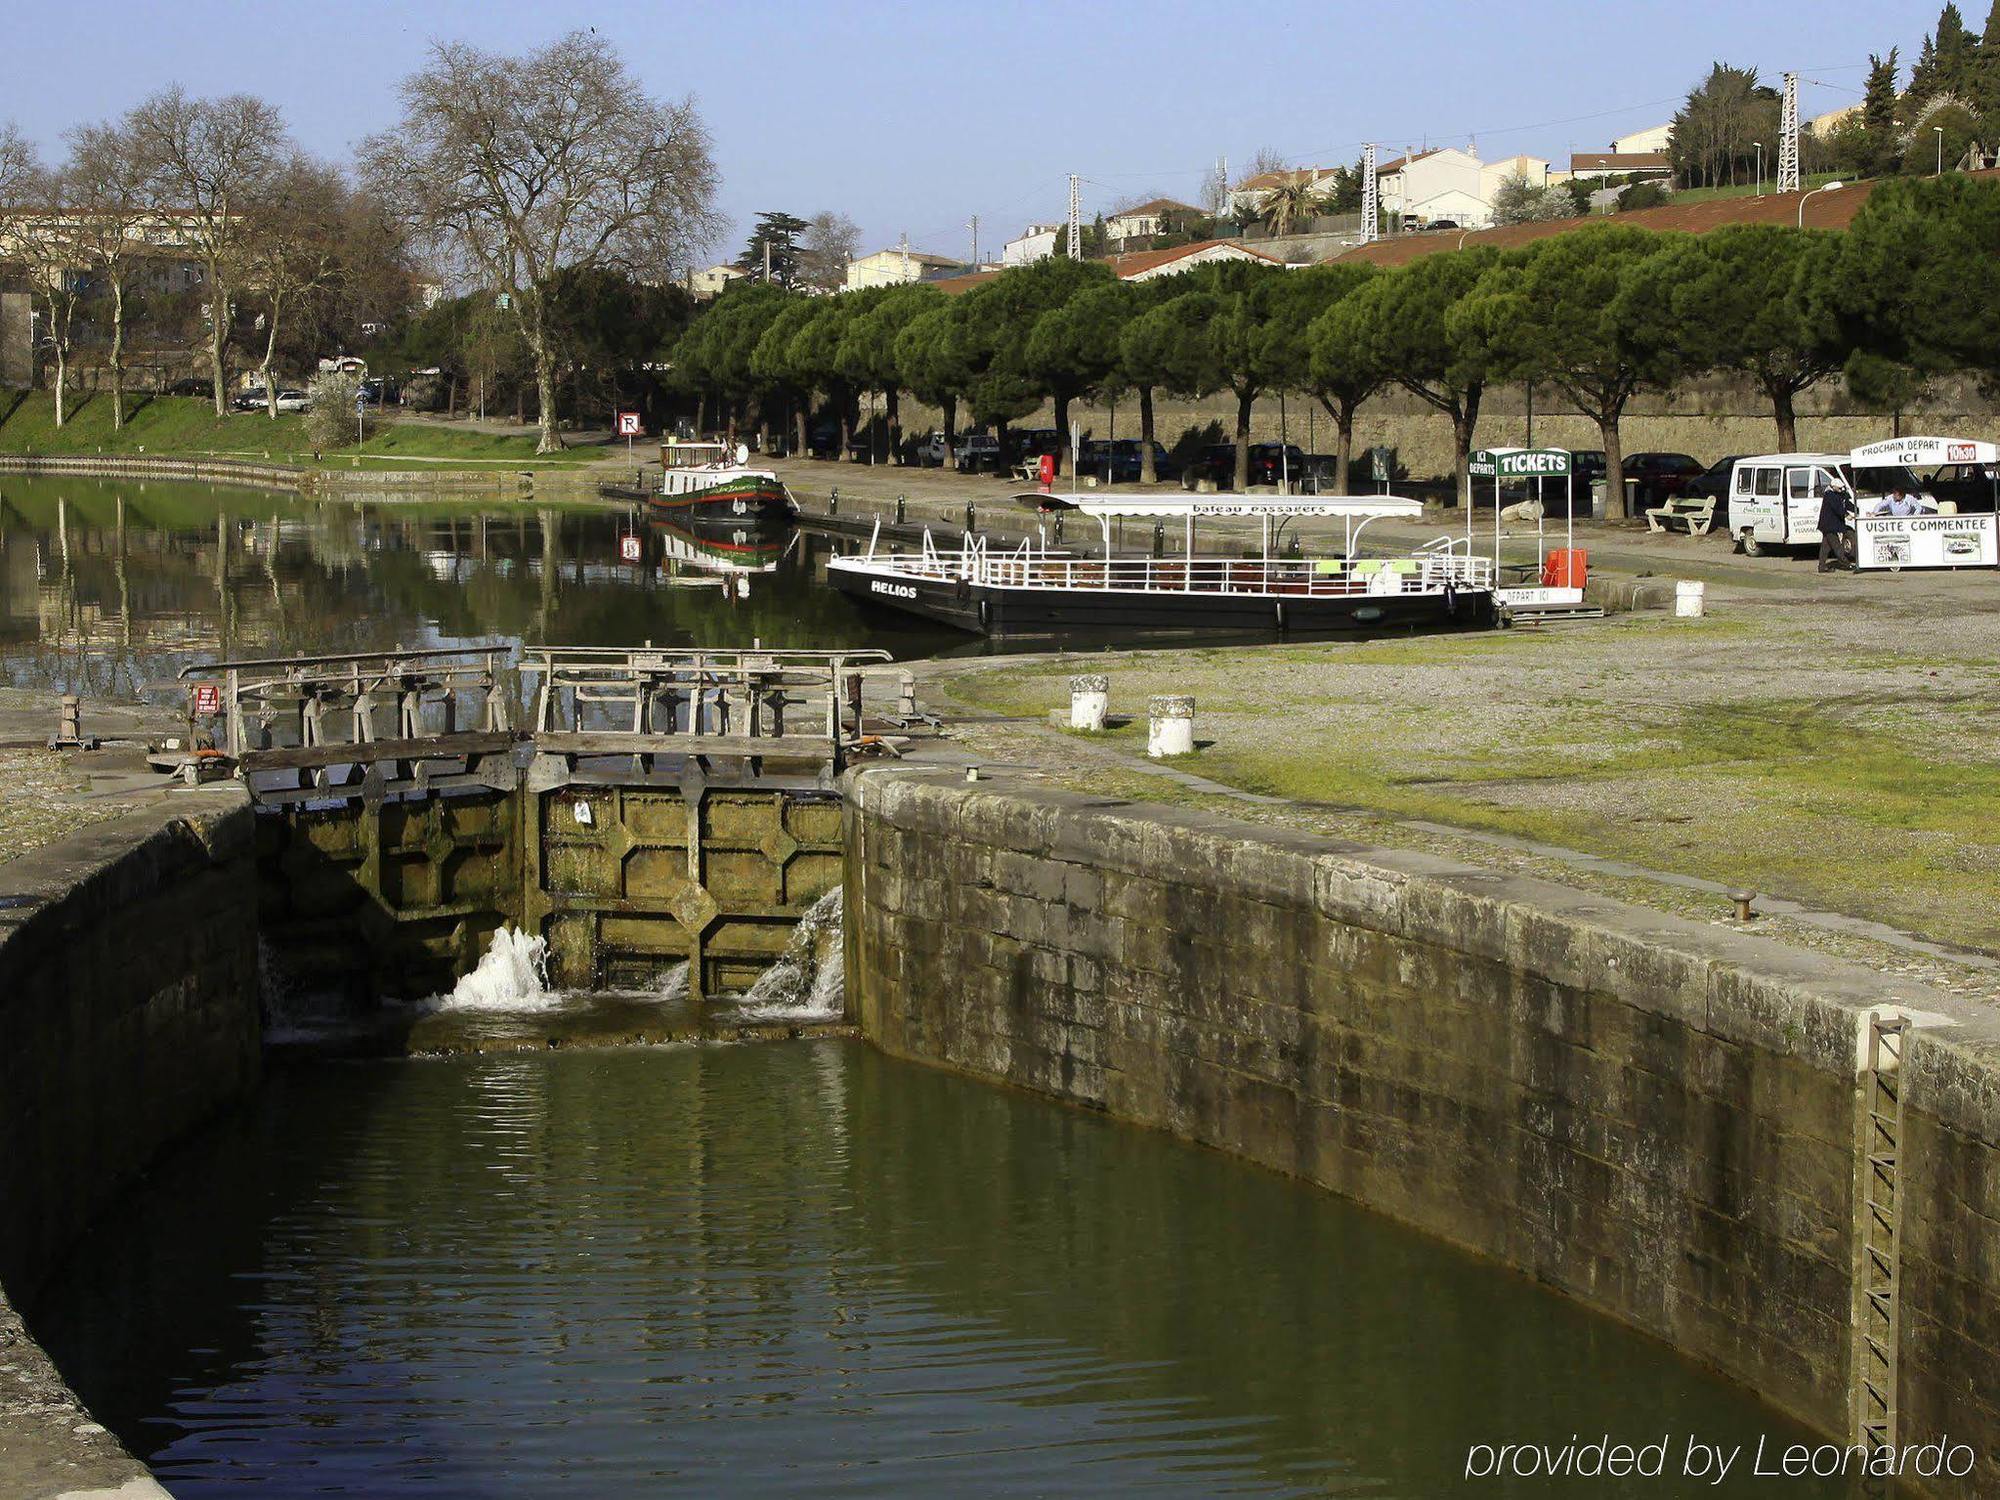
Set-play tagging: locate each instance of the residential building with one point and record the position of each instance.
(1036, 242)
(1599, 164)
(1532, 169)
(898, 266)
(1146, 265)
(1826, 124)
(1655, 139)
(1161, 216)
(1443, 185)
(707, 285)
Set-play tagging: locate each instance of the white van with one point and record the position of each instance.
(1774, 498)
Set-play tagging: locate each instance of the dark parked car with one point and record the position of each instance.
(1119, 460)
(823, 439)
(1269, 463)
(1971, 487)
(190, 388)
(979, 453)
(1713, 483)
(1660, 476)
(1033, 442)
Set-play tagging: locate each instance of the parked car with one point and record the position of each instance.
(1033, 442)
(932, 451)
(1660, 476)
(293, 401)
(823, 439)
(1269, 463)
(1120, 460)
(1971, 487)
(979, 453)
(250, 398)
(1713, 483)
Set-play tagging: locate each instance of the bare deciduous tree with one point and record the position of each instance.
(18, 166)
(108, 185)
(43, 237)
(210, 160)
(292, 249)
(830, 241)
(531, 166)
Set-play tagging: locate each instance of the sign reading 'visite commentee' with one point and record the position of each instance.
(1521, 463)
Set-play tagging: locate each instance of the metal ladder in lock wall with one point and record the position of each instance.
(1881, 1233)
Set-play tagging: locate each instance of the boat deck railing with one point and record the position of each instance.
(1429, 572)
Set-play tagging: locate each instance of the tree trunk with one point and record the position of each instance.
(117, 353)
(1343, 450)
(1148, 470)
(1464, 422)
(700, 413)
(1243, 443)
(951, 429)
(1063, 456)
(801, 412)
(218, 334)
(264, 369)
(846, 433)
(545, 396)
(895, 416)
(1614, 467)
(1788, 422)
(62, 377)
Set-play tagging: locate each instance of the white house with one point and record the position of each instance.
(1145, 265)
(705, 286)
(1036, 242)
(896, 267)
(1160, 216)
(1491, 174)
(1441, 185)
(1654, 139)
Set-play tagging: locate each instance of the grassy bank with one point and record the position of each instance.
(1731, 749)
(187, 427)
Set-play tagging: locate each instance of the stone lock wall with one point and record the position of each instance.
(128, 1015)
(1659, 1118)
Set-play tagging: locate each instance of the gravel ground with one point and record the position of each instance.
(1833, 740)
(47, 794)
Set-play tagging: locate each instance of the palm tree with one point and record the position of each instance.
(1290, 202)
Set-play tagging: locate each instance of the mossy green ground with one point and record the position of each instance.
(183, 427)
(1871, 789)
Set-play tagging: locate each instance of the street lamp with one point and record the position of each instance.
(1938, 130)
(1760, 167)
(1824, 187)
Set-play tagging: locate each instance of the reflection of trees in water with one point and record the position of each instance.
(108, 587)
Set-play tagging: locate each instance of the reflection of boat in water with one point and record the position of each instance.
(708, 479)
(714, 541)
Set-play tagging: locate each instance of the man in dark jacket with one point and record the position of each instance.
(1836, 528)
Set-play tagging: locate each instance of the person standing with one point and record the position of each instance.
(1836, 528)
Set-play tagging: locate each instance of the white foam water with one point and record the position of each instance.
(512, 975)
(809, 981)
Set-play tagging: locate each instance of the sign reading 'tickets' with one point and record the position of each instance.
(1521, 463)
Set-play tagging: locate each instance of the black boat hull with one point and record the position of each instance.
(997, 611)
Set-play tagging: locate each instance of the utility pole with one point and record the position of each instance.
(1369, 205)
(1075, 217)
(767, 258)
(974, 227)
(1788, 138)
(906, 255)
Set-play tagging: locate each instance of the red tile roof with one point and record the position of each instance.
(1619, 161)
(1157, 207)
(1401, 162)
(1134, 263)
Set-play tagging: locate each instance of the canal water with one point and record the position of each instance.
(109, 588)
(803, 1268)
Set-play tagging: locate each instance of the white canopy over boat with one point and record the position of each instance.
(1924, 452)
(1250, 507)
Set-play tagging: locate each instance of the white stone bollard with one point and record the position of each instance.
(1688, 598)
(1089, 701)
(1170, 726)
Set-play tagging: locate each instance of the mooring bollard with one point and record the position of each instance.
(1089, 699)
(1170, 726)
(901, 500)
(69, 733)
(833, 501)
(971, 518)
(1689, 598)
(1159, 539)
(906, 696)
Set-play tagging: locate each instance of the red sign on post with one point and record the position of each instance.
(628, 424)
(207, 699)
(628, 548)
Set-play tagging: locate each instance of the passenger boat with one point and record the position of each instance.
(712, 479)
(1036, 589)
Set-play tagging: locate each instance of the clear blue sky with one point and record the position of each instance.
(913, 117)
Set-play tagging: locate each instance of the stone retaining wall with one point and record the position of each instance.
(201, 470)
(1660, 1118)
(128, 1015)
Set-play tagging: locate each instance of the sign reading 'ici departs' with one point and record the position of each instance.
(1521, 463)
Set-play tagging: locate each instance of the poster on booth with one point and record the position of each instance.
(1927, 541)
